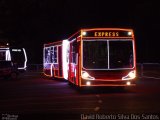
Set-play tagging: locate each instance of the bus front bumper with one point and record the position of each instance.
(108, 83)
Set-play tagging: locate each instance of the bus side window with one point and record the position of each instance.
(47, 55)
(74, 52)
(52, 53)
(55, 54)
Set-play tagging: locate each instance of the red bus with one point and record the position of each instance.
(93, 57)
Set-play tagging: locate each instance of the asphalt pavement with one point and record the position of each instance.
(35, 97)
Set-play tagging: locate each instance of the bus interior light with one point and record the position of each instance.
(86, 76)
(131, 75)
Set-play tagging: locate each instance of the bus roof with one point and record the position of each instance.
(103, 33)
(53, 43)
(98, 33)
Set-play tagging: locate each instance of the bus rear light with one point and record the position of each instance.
(86, 76)
(131, 75)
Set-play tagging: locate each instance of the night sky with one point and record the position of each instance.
(31, 23)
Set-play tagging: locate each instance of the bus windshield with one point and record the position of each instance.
(107, 54)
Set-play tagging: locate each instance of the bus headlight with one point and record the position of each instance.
(84, 33)
(128, 83)
(86, 76)
(131, 75)
(88, 83)
(129, 33)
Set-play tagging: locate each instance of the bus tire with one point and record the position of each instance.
(13, 76)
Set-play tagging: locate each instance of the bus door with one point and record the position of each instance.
(19, 58)
(73, 66)
(60, 74)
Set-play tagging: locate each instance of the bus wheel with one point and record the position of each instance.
(69, 83)
(13, 75)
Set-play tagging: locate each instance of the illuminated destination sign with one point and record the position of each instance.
(107, 33)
